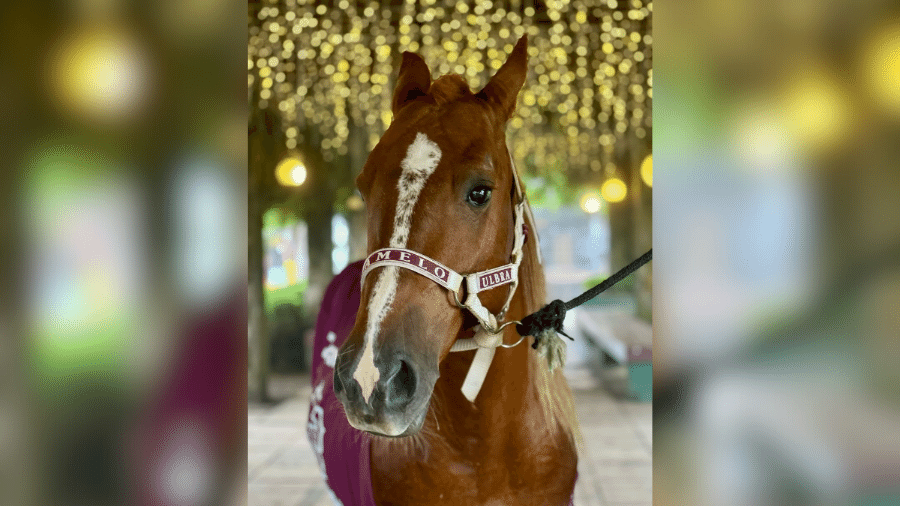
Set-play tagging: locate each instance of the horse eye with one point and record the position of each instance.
(479, 196)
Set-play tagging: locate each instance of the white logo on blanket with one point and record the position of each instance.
(315, 429)
(330, 352)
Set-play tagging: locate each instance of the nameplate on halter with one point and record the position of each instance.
(413, 261)
(495, 277)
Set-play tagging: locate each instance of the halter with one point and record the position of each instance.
(488, 335)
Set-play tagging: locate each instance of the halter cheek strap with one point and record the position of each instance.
(475, 282)
(489, 334)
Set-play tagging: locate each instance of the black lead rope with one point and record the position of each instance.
(552, 315)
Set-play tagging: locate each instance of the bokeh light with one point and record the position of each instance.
(817, 108)
(614, 190)
(881, 67)
(290, 172)
(647, 170)
(100, 74)
(590, 203)
(355, 203)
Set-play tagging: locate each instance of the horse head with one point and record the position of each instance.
(440, 183)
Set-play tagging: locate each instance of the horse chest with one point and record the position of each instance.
(493, 477)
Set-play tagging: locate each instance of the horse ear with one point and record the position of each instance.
(503, 88)
(413, 81)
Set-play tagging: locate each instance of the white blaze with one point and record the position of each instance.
(422, 158)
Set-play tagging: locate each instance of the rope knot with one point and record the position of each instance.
(550, 317)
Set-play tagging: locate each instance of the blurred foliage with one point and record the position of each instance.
(551, 190)
(626, 285)
(341, 195)
(292, 294)
(278, 217)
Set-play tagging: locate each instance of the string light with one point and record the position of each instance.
(332, 66)
(614, 190)
(590, 202)
(100, 74)
(817, 107)
(882, 67)
(290, 172)
(647, 170)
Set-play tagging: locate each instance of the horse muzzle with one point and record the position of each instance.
(398, 403)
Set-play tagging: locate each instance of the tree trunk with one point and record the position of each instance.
(262, 149)
(621, 224)
(356, 220)
(318, 216)
(257, 322)
(358, 241)
(642, 205)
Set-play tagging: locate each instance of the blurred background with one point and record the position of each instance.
(777, 281)
(320, 82)
(123, 278)
(123, 288)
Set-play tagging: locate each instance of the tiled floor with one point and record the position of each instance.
(615, 469)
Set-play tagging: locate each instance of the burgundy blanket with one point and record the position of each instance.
(342, 451)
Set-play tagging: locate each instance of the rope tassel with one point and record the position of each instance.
(551, 347)
(549, 318)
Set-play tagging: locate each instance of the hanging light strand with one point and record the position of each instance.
(330, 65)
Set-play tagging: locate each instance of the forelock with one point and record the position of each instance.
(449, 88)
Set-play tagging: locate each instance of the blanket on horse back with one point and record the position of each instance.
(341, 451)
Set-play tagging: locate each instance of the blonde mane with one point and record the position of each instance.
(553, 392)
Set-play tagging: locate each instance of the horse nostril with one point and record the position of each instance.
(400, 387)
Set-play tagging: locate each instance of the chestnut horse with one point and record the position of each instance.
(441, 189)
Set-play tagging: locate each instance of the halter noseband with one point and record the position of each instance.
(489, 334)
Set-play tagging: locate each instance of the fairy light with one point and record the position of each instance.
(290, 172)
(590, 202)
(100, 74)
(881, 64)
(332, 67)
(817, 108)
(647, 170)
(614, 190)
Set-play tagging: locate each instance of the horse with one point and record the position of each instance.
(398, 404)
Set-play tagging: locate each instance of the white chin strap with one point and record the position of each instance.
(489, 333)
